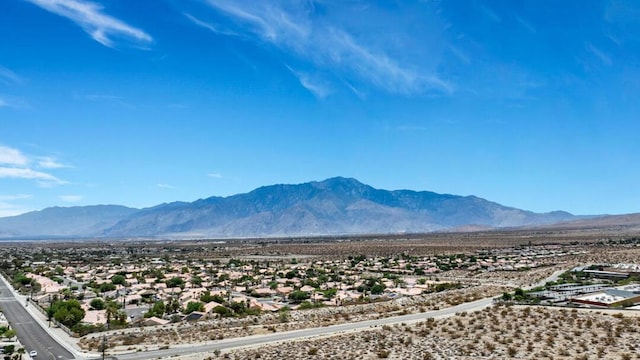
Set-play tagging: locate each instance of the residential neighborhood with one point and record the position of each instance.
(102, 288)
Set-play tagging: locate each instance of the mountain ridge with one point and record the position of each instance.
(333, 206)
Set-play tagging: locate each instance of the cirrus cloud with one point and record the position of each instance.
(89, 16)
(9, 77)
(384, 58)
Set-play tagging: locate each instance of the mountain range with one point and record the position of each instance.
(334, 206)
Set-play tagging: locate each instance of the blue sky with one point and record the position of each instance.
(533, 104)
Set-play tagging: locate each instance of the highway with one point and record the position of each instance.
(256, 340)
(29, 332)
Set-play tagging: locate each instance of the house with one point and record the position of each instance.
(208, 307)
(194, 316)
(264, 292)
(284, 290)
(152, 321)
(307, 288)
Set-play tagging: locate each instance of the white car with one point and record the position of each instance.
(33, 353)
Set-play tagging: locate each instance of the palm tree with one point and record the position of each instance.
(21, 352)
(111, 310)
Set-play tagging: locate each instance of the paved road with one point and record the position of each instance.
(553, 277)
(30, 333)
(34, 337)
(315, 332)
(304, 333)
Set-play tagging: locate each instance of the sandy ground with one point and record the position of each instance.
(498, 332)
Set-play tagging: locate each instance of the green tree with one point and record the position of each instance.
(173, 306)
(22, 279)
(9, 349)
(119, 280)
(196, 280)
(21, 352)
(119, 319)
(175, 282)
(111, 308)
(206, 297)
(194, 306)
(330, 293)
(105, 287)
(308, 305)
(377, 289)
(223, 311)
(298, 296)
(238, 307)
(158, 309)
(97, 304)
(67, 312)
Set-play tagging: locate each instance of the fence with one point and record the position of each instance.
(54, 321)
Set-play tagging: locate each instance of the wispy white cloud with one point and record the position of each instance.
(380, 69)
(460, 54)
(326, 43)
(314, 84)
(15, 197)
(601, 55)
(26, 173)
(357, 92)
(11, 156)
(71, 198)
(13, 102)
(107, 98)
(525, 24)
(215, 175)
(16, 165)
(165, 186)
(213, 27)
(9, 77)
(49, 162)
(490, 13)
(90, 17)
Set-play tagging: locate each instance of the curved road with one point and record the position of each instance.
(30, 333)
(304, 333)
(34, 337)
(256, 340)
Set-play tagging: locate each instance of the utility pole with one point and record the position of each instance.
(104, 345)
(49, 315)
